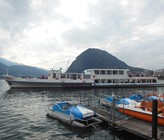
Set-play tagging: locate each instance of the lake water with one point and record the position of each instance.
(23, 114)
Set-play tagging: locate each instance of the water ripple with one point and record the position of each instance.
(23, 115)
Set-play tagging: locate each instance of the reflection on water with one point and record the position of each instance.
(23, 113)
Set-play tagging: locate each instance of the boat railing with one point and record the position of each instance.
(89, 121)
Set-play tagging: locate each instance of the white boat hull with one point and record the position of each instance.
(71, 121)
(45, 83)
(128, 84)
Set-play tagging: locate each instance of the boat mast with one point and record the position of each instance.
(7, 73)
(68, 63)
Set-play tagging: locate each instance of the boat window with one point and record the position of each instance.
(138, 81)
(96, 80)
(62, 76)
(54, 75)
(10, 83)
(154, 81)
(66, 106)
(73, 76)
(87, 76)
(121, 72)
(143, 80)
(78, 76)
(115, 81)
(109, 81)
(115, 72)
(148, 81)
(126, 81)
(121, 81)
(108, 72)
(102, 72)
(96, 71)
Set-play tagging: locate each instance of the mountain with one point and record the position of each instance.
(17, 70)
(8, 63)
(22, 70)
(98, 59)
(3, 69)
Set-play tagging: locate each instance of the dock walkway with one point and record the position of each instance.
(112, 117)
(140, 128)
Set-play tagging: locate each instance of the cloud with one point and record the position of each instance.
(34, 31)
(14, 15)
(130, 30)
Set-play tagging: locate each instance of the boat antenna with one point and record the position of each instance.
(68, 63)
(7, 73)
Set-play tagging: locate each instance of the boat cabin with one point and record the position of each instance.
(57, 74)
(106, 76)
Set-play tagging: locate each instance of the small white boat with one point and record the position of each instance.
(73, 114)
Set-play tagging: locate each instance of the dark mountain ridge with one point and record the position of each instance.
(22, 70)
(98, 59)
(8, 63)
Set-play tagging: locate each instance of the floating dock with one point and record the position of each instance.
(118, 121)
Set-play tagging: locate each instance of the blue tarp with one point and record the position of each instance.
(136, 97)
(150, 98)
(110, 99)
(119, 101)
(124, 101)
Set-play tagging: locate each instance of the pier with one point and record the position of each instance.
(116, 120)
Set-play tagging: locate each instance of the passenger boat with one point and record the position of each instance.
(121, 78)
(89, 78)
(73, 114)
(55, 79)
(143, 111)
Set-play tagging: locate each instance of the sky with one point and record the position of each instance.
(52, 33)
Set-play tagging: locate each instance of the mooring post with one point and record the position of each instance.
(113, 112)
(154, 119)
(88, 101)
(99, 103)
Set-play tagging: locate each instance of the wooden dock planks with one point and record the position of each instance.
(140, 128)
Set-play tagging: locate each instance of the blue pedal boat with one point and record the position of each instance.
(73, 114)
(108, 101)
